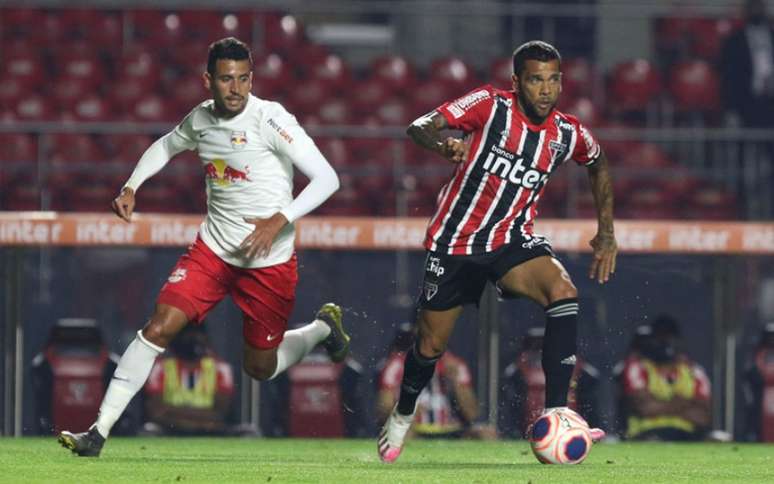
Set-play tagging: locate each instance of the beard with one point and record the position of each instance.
(530, 111)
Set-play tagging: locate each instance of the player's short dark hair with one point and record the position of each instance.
(533, 50)
(229, 48)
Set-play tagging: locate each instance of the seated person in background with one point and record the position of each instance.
(759, 389)
(190, 389)
(666, 395)
(523, 385)
(447, 407)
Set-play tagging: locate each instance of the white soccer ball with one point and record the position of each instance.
(560, 436)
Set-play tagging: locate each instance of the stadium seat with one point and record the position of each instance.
(710, 202)
(11, 90)
(153, 108)
(335, 151)
(395, 112)
(578, 78)
(643, 155)
(23, 65)
(17, 147)
(430, 94)
(139, 63)
(94, 196)
(271, 74)
(634, 85)
(19, 22)
(694, 87)
(367, 95)
(70, 90)
(500, 72)
(126, 148)
(68, 148)
(306, 100)
(91, 108)
(128, 91)
(331, 69)
(395, 70)
(583, 108)
(34, 108)
(281, 33)
(187, 92)
(335, 111)
(78, 61)
(455, 72)
(22, 195)
(346, 200)
(189, 58)
(708, 35)
(99, 27)
(157, 27)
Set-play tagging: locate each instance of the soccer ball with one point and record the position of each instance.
(560, 436)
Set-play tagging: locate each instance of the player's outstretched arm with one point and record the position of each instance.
(426, 132)
(604, 244)
(123, 204)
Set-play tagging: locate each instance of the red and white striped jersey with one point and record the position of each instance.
(492, 197)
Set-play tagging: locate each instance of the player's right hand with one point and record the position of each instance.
(123, 204)
(454, 150)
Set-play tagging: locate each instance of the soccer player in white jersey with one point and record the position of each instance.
(248, 147)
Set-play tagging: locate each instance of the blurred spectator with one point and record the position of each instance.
(447, 407)
(759, 389)
(747, 70)
(190, 389)
(666, 395)
(316, 398)
(523, 388)
(70, 375)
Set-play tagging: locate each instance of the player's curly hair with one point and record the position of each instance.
(534, 50)
(229, 48)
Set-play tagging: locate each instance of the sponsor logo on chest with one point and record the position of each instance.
(512, 167)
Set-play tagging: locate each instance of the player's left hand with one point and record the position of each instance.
(455, 150)
(258, 243)
(605, 251)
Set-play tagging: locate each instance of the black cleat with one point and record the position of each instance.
(85, 444)
(337, 343)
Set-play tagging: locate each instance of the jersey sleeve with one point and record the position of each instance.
(288, 140)
(471, 111)
(587, 149)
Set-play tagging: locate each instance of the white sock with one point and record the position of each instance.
(298, 343)
(130, 375)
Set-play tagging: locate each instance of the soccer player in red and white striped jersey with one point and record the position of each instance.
(482, 228)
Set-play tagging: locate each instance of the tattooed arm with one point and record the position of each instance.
(426, 132)
(604, 245)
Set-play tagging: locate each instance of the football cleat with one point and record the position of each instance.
(337, 342)
(390, 443)
(84, 444)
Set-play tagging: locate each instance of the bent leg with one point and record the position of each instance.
(136, 363)
(433, 331)
(545, 281)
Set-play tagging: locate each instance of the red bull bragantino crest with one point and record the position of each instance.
(238, 139)
(222, 174)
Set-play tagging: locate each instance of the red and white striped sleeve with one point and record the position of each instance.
(470, 112)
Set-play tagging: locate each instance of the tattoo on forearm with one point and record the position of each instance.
(602, 189)
(426, 131)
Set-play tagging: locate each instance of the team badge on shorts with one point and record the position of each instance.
(430, 290)
(177, 275)
(238, 139)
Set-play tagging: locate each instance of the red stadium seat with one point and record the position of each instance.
(335, 111)
(93, 25)
(24, 66)
(17, 147)
(271, 74)
(127, 148)
(77, 61)
(281, 33)
(634, 85)
(645, 155)
(18, 23)
(335, 151)
(11, 90)
(578, 78)
(92, 108)
(127, 91)
(710, 202)
(331, 69)
(139, 63)
(156, 27)
(306, 100)
(34, 108)
(694, 86)
(431, 94)
(367, 95)
(394, 69)
(94, 196)
(22, 195)
(70, 90)
(189, 58)
(187, 92)
(454, 71)
(500, 72)
(583, 108)
(395, 112)
(708, 35)
(153, 108)
(74, 148)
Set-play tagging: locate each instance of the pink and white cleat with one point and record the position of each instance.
(597, 434)
(390, 443)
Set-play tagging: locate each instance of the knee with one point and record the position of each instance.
(258, 372)
(562, 290)
(162, 328)
(430, 345)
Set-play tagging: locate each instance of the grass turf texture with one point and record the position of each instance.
(282, 460)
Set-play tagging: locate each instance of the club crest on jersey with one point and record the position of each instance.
(238, 139)
(557, 150)
(177, 275)
(430, 290)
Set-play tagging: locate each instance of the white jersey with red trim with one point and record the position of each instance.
(492, 197)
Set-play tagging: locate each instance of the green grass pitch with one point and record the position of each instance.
(225, 461)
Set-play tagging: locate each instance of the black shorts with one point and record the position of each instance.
(454, 280)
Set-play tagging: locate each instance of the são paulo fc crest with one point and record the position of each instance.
(238, 139)
(177, 275)
(430, 290)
